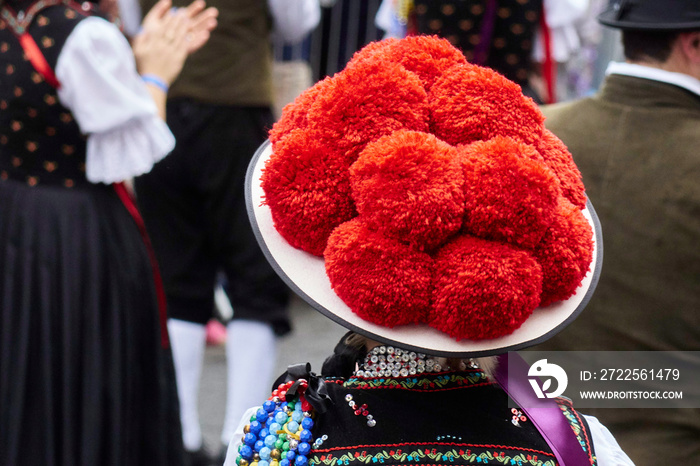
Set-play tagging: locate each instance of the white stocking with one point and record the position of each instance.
(187, 340)
(250, 354)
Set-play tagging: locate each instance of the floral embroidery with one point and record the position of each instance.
(577, 426)
(433, 456)
(517, 417)
(425, 382)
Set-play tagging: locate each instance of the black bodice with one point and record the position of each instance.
(40, 142)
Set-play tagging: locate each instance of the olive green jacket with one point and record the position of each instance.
(637, 144)
(235, 66)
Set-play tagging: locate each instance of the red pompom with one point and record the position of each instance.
(483, 289)
(362, 138)
(307, 187)
(565, 253)
(294, 115)
(558, 158)
(472, 103)
(408, 186)
(382, 280)
(358, 106)
(427, 56)
(510, 195)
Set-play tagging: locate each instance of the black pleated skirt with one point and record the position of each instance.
(84, 379)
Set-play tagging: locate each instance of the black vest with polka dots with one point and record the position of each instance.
(40, 142)
(463, 23)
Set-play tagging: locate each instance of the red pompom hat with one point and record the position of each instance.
(418, 199)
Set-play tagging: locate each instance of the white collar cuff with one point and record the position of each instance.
(646, 72)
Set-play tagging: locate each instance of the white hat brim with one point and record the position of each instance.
(306, 276)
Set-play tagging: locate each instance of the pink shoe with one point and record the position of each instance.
(216, 333)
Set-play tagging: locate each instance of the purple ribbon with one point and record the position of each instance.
(481, 51)
(543, 412)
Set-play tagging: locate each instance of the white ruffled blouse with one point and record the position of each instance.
(110, 103)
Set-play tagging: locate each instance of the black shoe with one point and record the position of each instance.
(200, 457)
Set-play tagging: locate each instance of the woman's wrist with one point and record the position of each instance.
(156, 81)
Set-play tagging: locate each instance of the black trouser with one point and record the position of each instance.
(194, 206)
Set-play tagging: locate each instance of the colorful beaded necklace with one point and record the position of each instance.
(279, 434)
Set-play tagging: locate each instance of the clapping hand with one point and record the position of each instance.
(168, 36)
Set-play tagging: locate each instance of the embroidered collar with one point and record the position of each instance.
(389, 361)
(20, 21)
(391, 367)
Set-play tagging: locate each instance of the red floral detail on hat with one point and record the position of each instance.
(337, 124)
(471, 103)
(429, 57)
(432, 190)
(564, 253)
(510, 192)
(294, 115)
(383, 280)
(385, 97)
(559, 159)
(409, 186)
(307, 187)
(483, 289)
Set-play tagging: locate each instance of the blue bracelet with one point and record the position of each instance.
(156, 81)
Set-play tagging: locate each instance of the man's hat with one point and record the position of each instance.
(652, 15)
(418, 200)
